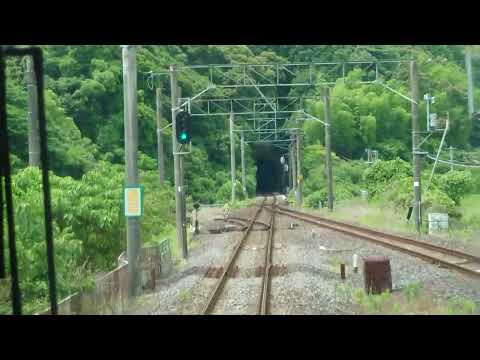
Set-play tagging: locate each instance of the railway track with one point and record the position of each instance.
(265, 292)
(263, 302)
(453, 259)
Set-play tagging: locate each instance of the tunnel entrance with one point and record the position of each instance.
(270, 177)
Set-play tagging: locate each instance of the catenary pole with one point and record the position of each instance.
(294, 166)
(182, 184)
(299, 166)
(232, 156)
(33, 129)
(290, 165)
(160, 154)
(451, 158)
(242, 150)
(328, 150)
(129, 53)
(176, 164)
(417, 206)
(468, 65)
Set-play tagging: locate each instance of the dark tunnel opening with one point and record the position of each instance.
(270, 177)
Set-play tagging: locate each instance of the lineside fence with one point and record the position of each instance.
(110, 294)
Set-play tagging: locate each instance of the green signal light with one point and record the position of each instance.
(183, 136)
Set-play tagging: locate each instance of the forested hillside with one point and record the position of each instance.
(84, 110)
(85, 101)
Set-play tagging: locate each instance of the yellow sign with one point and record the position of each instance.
(133, 202)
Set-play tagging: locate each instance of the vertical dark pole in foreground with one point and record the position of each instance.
(42, 123)
(328, 149)
(417, 206)
(129, 53)
(6, 173)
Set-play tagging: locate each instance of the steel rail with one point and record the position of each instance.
(264, 302)
(215, 293)
(466, 263)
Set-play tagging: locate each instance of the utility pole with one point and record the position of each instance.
(242, 150)
(182, 243)
(232, 156)
(328, 150)
(294, 166)
(451, 157)
(129, 54)
(160, 156)
(33, 129)
(182, 182)
(299, 167)
(468, 63)
(417, 206)
(290, 165)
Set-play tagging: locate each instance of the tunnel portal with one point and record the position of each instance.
(270, 177)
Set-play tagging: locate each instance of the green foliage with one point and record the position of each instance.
(392, 149)
(372, 303)
(455, 184)
(84, 111)
(435, 200)
(381, 173)
(412, 291)
(461, 306)
(312, 200)
(88, 225)
(224, 194)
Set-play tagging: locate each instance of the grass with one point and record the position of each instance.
(470, 208)
(376, 214)
(239, 204)
(185, 295)
(412, 300)
(371, 214)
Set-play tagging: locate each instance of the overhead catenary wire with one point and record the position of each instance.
(453, 162)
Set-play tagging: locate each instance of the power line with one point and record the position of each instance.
(454, 163)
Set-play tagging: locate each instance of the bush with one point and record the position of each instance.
(393, 149)
(224, 194)
(314, 198)
(88, 226)
(455, 184)
(381, 173)
(399, 193)
(436, 200)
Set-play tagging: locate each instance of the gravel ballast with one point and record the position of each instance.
(307, 280)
